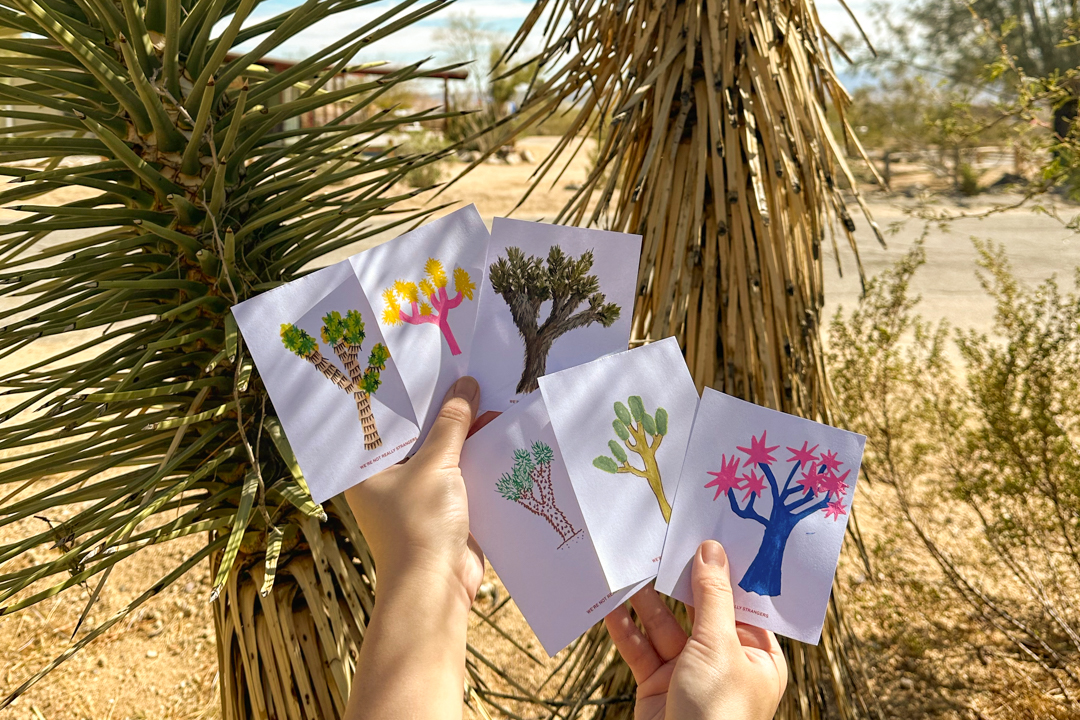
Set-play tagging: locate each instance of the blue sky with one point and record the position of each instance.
(504, 16)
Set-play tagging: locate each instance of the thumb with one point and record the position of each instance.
(451, 426)
(714, 604)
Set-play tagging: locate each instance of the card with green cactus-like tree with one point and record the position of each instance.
(623, 422)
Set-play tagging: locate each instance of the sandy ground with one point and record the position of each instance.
(160, 663)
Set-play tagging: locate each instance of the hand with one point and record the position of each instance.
(415, 515)
(724, 669)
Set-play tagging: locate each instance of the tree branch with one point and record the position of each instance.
(772, 482)
(749, 513)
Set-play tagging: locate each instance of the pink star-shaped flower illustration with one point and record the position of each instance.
(828, 459)
(835, 509)
(810, 480)
(758, 452)
(835, 484)
(803, 455)
(725, 479)
(755, 484)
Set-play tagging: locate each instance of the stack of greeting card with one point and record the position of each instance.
(605, 469)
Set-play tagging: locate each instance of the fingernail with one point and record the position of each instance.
(712, 553)
(466, 388)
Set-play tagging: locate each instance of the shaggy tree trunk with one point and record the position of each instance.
(536, 354)
(291, 655)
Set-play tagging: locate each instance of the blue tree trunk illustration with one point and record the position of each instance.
(765, 572)
(790, 506)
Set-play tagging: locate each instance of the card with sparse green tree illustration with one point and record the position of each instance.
(553, 297)
(333, 383)
(623, 423)
(525, 516)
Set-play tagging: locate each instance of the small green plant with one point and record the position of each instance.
(641, 434)
(967, 180)
(427, 145)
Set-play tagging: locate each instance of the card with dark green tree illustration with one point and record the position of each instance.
(553, 297)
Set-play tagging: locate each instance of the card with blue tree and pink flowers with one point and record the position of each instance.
(776, 491)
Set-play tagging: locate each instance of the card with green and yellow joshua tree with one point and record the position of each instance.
(333, 382)
(623, 422)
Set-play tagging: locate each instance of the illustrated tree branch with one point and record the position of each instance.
(642, 434)
(525, 283)
(821, 488)
(429, 302)
(529, 485)
(346, 336)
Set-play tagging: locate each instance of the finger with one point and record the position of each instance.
(690, 614)
(762, 648)
(482, 421)
(451, 425)
(753, 637)
(714, 623)
(663, 630)
(634, 647)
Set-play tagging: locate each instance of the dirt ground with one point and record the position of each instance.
(161, 663)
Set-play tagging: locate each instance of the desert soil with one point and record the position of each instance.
(161, 662)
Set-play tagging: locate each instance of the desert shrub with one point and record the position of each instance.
(977, 438)
(967, 180)
(424, 144)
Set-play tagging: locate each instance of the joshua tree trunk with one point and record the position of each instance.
(292, 653)
(536, 354)
(444, 327)
(764, 574)
(329, 370)
(349, 354)
(367, 420)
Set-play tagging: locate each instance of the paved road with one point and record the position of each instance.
(1037, 246)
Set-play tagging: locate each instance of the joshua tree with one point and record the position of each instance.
(429, 303)
(525, 283)
(529, 485)
(821, 488)
(642, 434)
(164, 174)
(345, 336)
(721, 133)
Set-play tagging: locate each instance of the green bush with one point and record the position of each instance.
(967, 180)
(978, 437)
(424, 144)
